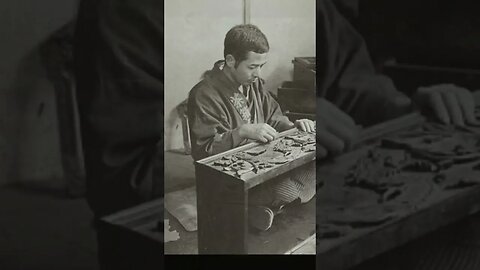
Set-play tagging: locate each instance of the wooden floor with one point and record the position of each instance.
(179, 171)
(291, 233)
(306, 248)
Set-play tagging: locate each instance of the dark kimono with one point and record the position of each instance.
(119, 72)
(346, 75)
(217, 108)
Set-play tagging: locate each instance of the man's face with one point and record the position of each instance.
(248, 70)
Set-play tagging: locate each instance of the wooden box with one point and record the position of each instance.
(304, 72)
(293, 98)
(222, 205)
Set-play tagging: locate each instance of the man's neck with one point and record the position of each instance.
(229, 75)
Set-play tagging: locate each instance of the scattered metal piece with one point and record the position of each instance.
(439, 178)
(388, 162)
(263, 157)
(256, 151)
(390, 194)
(421, 166)
(444, 164)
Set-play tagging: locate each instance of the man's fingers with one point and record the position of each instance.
(467, 105)
(436, 102)
(273, 133)
(267, 129)
(311, 125)
(303, 126)
(308, 126)
(270, 130)
(449, 103)
(333, 144)
(262, 139)
(268, 136)
(453, 107)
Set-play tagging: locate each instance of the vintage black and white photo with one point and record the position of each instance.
(240, 127)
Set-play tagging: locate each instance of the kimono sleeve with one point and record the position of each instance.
(274, 114)
(346, 75)
(210, 131)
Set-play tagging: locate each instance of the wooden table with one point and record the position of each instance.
(223, 226)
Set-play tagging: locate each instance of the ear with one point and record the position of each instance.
(230, 61)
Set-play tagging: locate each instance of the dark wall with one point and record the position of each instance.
(428, 32)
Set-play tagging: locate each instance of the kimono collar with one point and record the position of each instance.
(218, 79)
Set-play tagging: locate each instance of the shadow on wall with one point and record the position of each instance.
(36, 161)
(277, 77)
(174, 127)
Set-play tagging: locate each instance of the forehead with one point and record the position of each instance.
(254, 58)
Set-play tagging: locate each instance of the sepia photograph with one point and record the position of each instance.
(240, 127)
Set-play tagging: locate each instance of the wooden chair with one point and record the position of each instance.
(182, 112)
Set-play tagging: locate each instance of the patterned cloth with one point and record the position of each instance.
(240, 103)
(298, 184)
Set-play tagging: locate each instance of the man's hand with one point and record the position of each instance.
(305, 125)
(448, 102)
(260, 132)
(335, 129)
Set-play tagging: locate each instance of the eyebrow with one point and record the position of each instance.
(256, 65)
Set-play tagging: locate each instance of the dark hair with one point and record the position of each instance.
(242, 39)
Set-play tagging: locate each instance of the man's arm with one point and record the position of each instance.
(274, 115)
(346, 75)
(210, 132)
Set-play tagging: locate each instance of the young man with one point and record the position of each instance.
(231, 107)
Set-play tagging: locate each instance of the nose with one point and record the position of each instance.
(256, 72)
